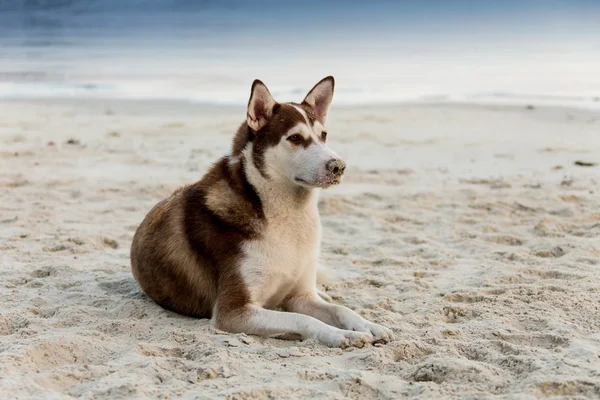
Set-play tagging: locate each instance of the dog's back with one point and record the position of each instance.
(188, 244)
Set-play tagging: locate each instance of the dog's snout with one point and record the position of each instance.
(336, 166)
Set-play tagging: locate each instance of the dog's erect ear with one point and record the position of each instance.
(260, 106)
(319, 98)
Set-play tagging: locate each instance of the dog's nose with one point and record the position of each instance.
(336, 166)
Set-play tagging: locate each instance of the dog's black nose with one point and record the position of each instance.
(336, 166)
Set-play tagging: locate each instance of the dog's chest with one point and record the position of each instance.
(286, 253)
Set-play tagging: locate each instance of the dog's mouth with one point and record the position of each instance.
(321, 183)
(303, 182)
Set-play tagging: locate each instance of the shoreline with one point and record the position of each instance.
(530, 104)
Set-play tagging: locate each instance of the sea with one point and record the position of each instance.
(475, 51)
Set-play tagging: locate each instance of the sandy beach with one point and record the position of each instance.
(472, 231)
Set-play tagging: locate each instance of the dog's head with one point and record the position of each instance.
(290, 139)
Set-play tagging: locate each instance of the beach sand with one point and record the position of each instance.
(469, 230)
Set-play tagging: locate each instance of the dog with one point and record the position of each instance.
(241, 245)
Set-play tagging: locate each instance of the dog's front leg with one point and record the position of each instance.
(256, 320)
(336, 315)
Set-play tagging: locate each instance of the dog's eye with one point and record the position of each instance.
(296, 138)
(324, 135)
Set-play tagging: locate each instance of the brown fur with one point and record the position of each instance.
(308, 110)
(185, 255)
(284, 118)
(163, 263)
(186, 249)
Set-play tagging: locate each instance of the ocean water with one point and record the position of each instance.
(379, 51)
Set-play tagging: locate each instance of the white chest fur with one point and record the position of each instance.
(284, 258)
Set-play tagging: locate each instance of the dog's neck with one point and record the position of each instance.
(277, 198)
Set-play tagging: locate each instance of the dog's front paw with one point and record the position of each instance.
(380, 333)
(343, 338)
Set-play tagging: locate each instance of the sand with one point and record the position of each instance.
(469, 230)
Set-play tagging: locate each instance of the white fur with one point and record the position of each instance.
(310, 164)
(289, 248)
(280, 269)
(265, 322)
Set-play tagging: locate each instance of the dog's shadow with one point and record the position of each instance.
(124, 287)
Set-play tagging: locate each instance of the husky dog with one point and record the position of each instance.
(243, 242)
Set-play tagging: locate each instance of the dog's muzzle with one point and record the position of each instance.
(334, 170)
(336, 167)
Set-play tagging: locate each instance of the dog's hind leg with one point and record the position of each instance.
(255, 320)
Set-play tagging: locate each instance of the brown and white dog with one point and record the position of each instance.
(245, 240)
